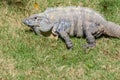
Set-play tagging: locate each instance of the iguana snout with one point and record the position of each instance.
(31, 22)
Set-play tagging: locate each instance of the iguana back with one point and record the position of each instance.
(70, 13)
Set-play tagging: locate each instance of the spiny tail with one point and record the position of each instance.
(112, 29)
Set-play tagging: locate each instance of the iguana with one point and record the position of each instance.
(72, 21)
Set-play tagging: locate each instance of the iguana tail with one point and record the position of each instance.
(112, 29)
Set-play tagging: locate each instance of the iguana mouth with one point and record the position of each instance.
(26, 22)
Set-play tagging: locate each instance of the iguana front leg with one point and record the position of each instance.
(66, 38)
(61, 28)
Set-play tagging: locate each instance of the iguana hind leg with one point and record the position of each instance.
(89, 37)
(90, 40)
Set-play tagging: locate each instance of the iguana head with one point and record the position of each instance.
(38, 20)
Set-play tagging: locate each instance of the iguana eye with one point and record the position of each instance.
(35, 18)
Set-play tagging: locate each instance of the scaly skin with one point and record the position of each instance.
(73, 21)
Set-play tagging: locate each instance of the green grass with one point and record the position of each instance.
(26, 56)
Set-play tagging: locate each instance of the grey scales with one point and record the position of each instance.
(73, 21)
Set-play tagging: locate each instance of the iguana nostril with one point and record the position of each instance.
(25, 21)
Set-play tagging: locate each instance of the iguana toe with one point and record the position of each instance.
(87, 46)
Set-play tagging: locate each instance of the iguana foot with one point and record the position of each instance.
(87, 46)
(69, 45)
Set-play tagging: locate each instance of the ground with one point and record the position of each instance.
(26, 56)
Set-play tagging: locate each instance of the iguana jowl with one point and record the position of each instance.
(73, 21)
